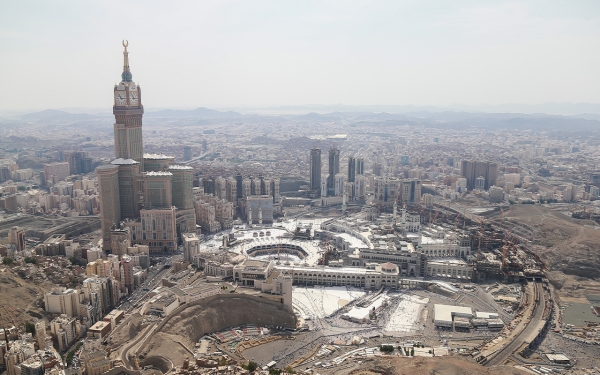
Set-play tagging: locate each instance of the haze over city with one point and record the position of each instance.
(223, 54)
(280, 188)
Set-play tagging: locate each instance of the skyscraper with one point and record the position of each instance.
(334, 168)
(360, 166)
(315, 170)
(110, 201)
(154, 194)
(187, 153)
(129, 171)
(351, 169)
(473, 169)
(128, 111)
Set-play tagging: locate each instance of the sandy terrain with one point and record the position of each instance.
(183, 329)
(19, 300)
(569, 247)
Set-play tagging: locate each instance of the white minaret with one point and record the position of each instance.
(260, 215)
(403, 213)
(394, 216)
(250, 216)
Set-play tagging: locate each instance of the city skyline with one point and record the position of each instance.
(195, 230)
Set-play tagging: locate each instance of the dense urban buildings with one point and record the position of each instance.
(411, 228)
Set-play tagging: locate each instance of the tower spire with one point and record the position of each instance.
(126, 75)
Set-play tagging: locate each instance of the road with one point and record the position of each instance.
(509, 349)
(132, 345)
(152, 282)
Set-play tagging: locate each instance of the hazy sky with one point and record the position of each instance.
(58, 54)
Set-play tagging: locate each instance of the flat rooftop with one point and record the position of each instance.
(446, 312)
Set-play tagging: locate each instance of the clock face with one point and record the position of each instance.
(133, 97)
(120, 98)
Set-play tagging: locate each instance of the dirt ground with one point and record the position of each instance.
(570, 248)
(19, 300)
(125, 331)
(435, 366)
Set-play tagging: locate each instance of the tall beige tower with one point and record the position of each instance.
(128, 111)
(110, 201)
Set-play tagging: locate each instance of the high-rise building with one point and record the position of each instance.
(64, 329)
(158, 192)
(315, 170)
(79, 162)
(360, 166)
(334, 168)
(61, 300)
(351, 169)
(128, 111)
(16, 236)
(110, 201)
(339, 185)
(155, 195)
(411, 191)
(377, 169)
(56, 172)
(129, 174)
(187, 153)
(473, 169)
(183, 186)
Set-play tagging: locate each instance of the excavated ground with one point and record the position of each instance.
(185, 326)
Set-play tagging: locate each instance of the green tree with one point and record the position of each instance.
(386, 348)
(30, 328)
(412, 352)
(31, 260)
(251, 366)
(290, 370)
(274, 371)
(8, 261)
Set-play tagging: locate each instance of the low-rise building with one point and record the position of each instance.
(99, 330)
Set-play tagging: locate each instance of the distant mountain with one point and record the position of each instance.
(199, 112)
(35, 116)
(56, 116)
(548, 108)
(313, 116)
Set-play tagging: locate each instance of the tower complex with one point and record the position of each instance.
(144, 199)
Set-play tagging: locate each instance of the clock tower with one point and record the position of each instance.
(128, 111)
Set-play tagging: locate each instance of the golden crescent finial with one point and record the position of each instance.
(125, 43)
